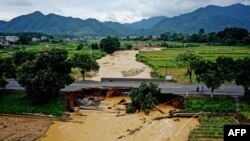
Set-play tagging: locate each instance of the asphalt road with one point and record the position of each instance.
(166, 87)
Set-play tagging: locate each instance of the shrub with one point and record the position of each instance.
(79, 47)
(143, 98)
(110, 44)
(94, 46)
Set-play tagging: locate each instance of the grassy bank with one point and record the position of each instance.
(18, 103)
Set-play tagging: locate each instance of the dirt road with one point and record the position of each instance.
(114, 125)
(121, 64)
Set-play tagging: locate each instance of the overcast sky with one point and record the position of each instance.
(108, 10)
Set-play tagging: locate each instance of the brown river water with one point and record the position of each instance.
(114, 125)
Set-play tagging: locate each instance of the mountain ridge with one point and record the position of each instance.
(211, 18)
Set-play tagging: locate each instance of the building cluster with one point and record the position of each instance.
(7, 40)
(36, 39)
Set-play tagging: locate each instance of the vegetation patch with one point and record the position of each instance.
(206, 104)
(18, 103)
(245, 109)
(143, 98)
(211, 127)
(164, 62)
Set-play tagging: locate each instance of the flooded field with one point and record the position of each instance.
(111, 124)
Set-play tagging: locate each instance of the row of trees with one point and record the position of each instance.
(229, 36)
(215, 73)
(108, 44)
(43, 74)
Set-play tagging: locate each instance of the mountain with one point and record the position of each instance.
(145, 23)
(55, 24)
(2, 23)
(119, 28)
(211, 18)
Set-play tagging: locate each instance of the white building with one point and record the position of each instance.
(3, 41)
(34, 39)
(43, 38)
(12, 39)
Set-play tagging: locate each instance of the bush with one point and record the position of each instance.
(110, 44)
(143, 98)
(79, 47)
(130, 108)
(94, 46)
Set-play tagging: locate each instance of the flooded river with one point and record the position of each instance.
(113, 124)
(121, 64)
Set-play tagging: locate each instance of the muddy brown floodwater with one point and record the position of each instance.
(121, 64)
(114, 125)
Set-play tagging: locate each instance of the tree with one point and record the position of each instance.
(3, 84)
(201, 31)
(231, 36)
(44, 76)
(94, 46)
(225, 68)
(6, 70)
(24, 40)
(143, 98)
(242, 72)
(110, 44)
(79, 46)
(207, 72)
(188, 60)
(84, 62)
(21, 57)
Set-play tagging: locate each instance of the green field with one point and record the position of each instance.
(211, 128)
(17, 102)
(71, 47)
(163, 62)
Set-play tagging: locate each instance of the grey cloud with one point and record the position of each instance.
(115, 10)
(19, 3)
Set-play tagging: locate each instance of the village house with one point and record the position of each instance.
(34, 39)
(12, 39)
(3, 41)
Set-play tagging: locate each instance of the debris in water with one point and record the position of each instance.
(88, 101)
(121, 137)
(131, 132)
(122, 102)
